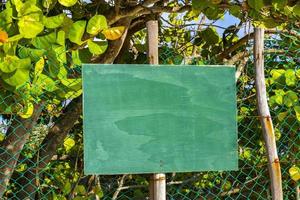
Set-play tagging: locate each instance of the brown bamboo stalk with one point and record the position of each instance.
(265, 117)
(157, 185)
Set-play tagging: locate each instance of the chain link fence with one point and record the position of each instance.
(41, 156)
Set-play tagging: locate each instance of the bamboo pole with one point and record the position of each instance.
(265, 117)
(157, 186)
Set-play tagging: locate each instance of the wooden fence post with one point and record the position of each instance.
(265, 117)
(157, 186)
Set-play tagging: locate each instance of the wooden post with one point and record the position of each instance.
(157, 186)
(152, 41)
(265, 117)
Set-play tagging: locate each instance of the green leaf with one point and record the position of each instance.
(200, 4)
(30, 25)
(290, 77)
(96, 24)
(53, 64)
(76, 32)
(72, 94)
(279, 4)
(98, 191)
(290, 98)
(97, 48)
(15, 38)
(28, 8)
(45, 82)
(210, 35)
(72, 83)
(60, 52)
(63, 73)
(267, 22)
(17, 78)
(213, 13)
(67, 3)
(55, 21)
(34, 54)
(298, 73)
(296, 9)
(44, 42)
(297, 111)
(256, 4)
(80, 189)
(9, 48)
(226, 186)
(235, 10)
(81, 56)
(48, 3)
(39, 67)
(67, 24)
(75, 57)
(12, 63)
(61, 38)
(6, 19)
(279, 94)
(67, 188)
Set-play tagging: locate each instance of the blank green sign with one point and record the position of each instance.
(150, 119)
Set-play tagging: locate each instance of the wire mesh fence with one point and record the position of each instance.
(41, 154)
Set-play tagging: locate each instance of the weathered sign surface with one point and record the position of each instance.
(151, 119)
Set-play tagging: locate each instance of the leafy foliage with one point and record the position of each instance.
(36, 47)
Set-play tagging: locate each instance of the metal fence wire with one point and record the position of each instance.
(41, 156)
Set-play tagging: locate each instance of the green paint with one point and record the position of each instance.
(150, 119)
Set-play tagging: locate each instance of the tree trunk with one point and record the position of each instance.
(54, 138)
(265, 117)
(17, 135)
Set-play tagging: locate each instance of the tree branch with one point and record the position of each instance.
(11, 147)
(129, 12)
(114, 46)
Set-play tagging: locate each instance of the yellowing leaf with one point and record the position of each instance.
(67, 3)
(2, 137)
(69, 143)
(216, 1)
(297, 111)
(294, 173)
(3, 37)
(276, 73)
(282, 116)
(27, 111)
(114, 33)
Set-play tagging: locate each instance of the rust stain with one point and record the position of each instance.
(268, 125)
(276, 169)
(161, 178)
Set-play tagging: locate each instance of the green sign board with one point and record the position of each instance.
(158, 119)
